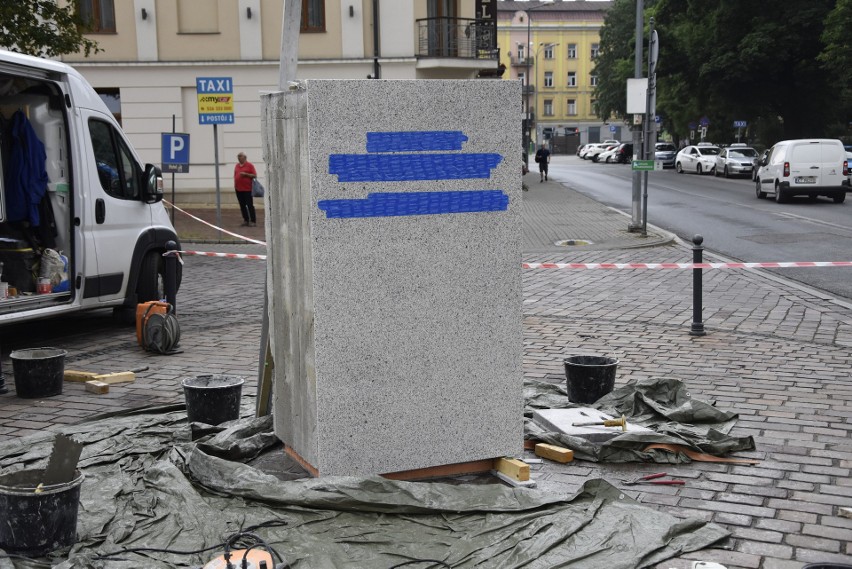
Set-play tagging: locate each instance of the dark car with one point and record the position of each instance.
(665, 152)
(624, 153)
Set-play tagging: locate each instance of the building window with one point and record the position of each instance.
(572, 106)
(548, 78)
(572, 78)
(548, 52)
(593, 80)
(313, 16)
(572, 51)
(98, 15)
(112, 99)
(548, 107)
(595, 49)
(521, 51)
(522, 76)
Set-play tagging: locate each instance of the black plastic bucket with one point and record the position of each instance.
(38, 372)
(212, 399)
(36, 520)
(827, 566)
(589, 377)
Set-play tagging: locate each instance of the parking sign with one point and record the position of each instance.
(175, 152)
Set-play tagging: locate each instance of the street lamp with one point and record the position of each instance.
(527, 97)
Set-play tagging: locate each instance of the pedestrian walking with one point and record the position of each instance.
(244, 173)
(542, 156)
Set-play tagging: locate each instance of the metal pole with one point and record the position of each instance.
(528, 122)
(649, 110)
(289, 59)
(218, 188)
(636, 201)
(697, 254)
(377, 68)
(173, 179)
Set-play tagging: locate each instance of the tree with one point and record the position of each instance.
(836, 57)
(42, 28)
(614, 63)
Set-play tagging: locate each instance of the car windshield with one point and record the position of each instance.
(709, 150)
(665, 148)
(743, 152)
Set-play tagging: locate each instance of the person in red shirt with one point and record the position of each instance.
(244, 173)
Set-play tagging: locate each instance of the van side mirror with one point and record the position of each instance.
(152, 184)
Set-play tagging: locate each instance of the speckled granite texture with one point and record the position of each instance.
(394, 272)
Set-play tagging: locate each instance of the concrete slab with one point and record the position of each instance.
(562, 420)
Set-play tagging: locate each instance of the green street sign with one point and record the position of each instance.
(646, 165)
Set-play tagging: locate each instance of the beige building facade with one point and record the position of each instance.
(551, 48)
(153, 51)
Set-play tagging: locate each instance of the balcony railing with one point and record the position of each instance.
(528, 89)
(515, 60)
(457, 37)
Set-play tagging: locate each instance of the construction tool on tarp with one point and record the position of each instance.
(62, 464)
(605, 423)
(655, 479)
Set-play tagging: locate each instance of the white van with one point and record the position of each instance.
(806, 167)
(82, 225)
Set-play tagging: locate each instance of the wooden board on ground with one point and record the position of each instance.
(81, 376)
(513, 468)
(117, 377)
(553, 452)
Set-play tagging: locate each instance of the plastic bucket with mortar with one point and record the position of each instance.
(212, 399)
(38, 372)
(37, 520)
(589, 377)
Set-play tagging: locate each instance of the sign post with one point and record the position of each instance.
(175, 156)
(215, 106)
(739, 125)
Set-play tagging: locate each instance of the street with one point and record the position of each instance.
(733, 222)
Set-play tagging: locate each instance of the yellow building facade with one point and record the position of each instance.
(551, 47)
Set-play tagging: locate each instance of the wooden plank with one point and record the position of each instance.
(553, 452)
(456, 469)
(117, 377)
(98, 387)
(845, 512)
(513, 468)
(80, 376)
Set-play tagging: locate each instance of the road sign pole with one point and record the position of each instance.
(218, 189)
(636, 197)
(173, 179)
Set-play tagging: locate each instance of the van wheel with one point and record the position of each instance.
(839, 198)
(679, 168)
(151, 277)
(780, 196)
(761, 195)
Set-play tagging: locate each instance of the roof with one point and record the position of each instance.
(555, 6)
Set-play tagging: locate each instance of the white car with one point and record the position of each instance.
(594, 153)
(608, 155)
(804, 167)
(584, 153)
(698, 159)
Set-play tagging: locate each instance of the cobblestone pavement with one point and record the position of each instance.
(775, 352)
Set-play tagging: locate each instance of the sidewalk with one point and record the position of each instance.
(775, 353)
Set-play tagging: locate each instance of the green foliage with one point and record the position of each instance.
(42, 28)
(785, 67)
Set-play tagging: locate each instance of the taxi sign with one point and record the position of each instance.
(215, 100)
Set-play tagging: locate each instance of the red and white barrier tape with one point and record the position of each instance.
(237, 235)
(223, 255)
(685, 265)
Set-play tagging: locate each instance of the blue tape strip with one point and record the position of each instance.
(405, 167)
(394, 204)
(415, 141)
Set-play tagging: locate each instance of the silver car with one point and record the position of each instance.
(665, 152)
(736, 160)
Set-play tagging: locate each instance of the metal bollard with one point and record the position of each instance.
(697, 325)
(170, 274)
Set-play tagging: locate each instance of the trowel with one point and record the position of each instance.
(62, 463)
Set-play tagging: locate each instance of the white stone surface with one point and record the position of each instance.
(562, 421)
(397, 340)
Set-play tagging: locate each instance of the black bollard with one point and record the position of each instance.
(697, 325)
(170, 274)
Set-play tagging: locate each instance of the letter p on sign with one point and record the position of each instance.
(175, 152)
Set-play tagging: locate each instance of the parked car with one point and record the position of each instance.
(809, 167)
(580, 148)
(607, 155)
(594, 153)
(757, 162)
(665, 152)
(699, 158)
(736, 160)
(584, 153)
(623, 153)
